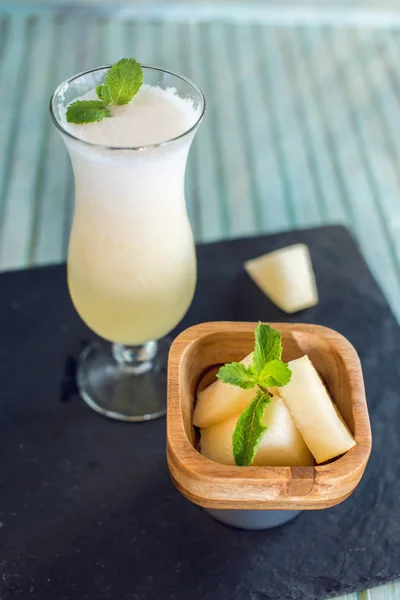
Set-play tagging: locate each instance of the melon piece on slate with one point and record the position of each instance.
(286, 276)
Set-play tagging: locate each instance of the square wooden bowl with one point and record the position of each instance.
(195, 357)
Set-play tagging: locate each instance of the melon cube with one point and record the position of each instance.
(316, 416)
(220, 400)
(281, 444)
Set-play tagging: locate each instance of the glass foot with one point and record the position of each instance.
(124, 389)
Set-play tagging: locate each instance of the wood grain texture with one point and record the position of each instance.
(195, 352)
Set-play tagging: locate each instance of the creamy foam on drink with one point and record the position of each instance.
(131, 258)
(154, 115)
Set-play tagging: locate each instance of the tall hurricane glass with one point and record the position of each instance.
(131, 258)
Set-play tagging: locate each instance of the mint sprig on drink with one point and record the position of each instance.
(123, 81)
(267, 370)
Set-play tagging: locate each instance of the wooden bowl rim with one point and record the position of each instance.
(205, 479)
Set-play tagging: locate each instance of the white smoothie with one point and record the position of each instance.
(131, 258)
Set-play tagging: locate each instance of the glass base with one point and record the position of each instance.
(127, 384)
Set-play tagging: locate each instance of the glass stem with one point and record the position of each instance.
(136, 359)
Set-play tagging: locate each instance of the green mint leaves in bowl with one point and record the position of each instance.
(267, 370)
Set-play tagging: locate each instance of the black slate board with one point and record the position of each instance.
(87, 507)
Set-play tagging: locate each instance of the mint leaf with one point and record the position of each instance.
(253, 371)
(275, 373)
(87, 111)
(268, 346)
(122, 82)
(99, 92)
(249, 431)
(237, 374)
(104, 93)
